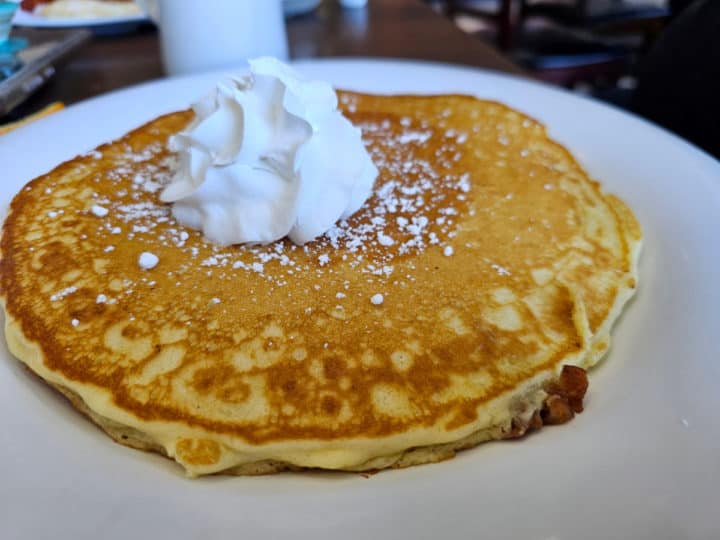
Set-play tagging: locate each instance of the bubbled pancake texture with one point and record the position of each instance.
(496, 257)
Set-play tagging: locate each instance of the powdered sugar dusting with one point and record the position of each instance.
(414, 207)
(412, 192)
(63, 293)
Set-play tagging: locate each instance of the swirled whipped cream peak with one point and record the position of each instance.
(268, 155)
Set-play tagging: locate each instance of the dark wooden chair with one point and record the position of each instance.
(566, 41)
(593, 13)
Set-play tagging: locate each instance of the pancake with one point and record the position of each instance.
(462, 303)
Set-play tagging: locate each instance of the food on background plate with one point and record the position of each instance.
(81, 9)
(326, 324)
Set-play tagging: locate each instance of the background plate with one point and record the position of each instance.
(642, 461)
(100, 25)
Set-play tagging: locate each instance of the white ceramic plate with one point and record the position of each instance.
(24, 18)
(642, 461)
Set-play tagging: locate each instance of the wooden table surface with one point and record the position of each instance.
(385, 28)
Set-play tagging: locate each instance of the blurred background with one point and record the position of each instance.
(657, 58)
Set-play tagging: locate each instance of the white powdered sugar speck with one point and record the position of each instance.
(501, 270)
(147, 260)
(99, 211)
(384, 239)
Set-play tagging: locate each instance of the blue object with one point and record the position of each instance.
(12, 45)
(9, 46)
(7, 10)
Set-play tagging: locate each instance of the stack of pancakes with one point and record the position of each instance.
(439, 316)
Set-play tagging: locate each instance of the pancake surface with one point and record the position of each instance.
(433, 319)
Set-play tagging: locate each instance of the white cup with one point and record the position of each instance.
(197, 35)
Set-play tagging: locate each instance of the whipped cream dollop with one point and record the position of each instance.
(268, 155)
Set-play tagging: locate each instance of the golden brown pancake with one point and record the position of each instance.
(438, 316)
